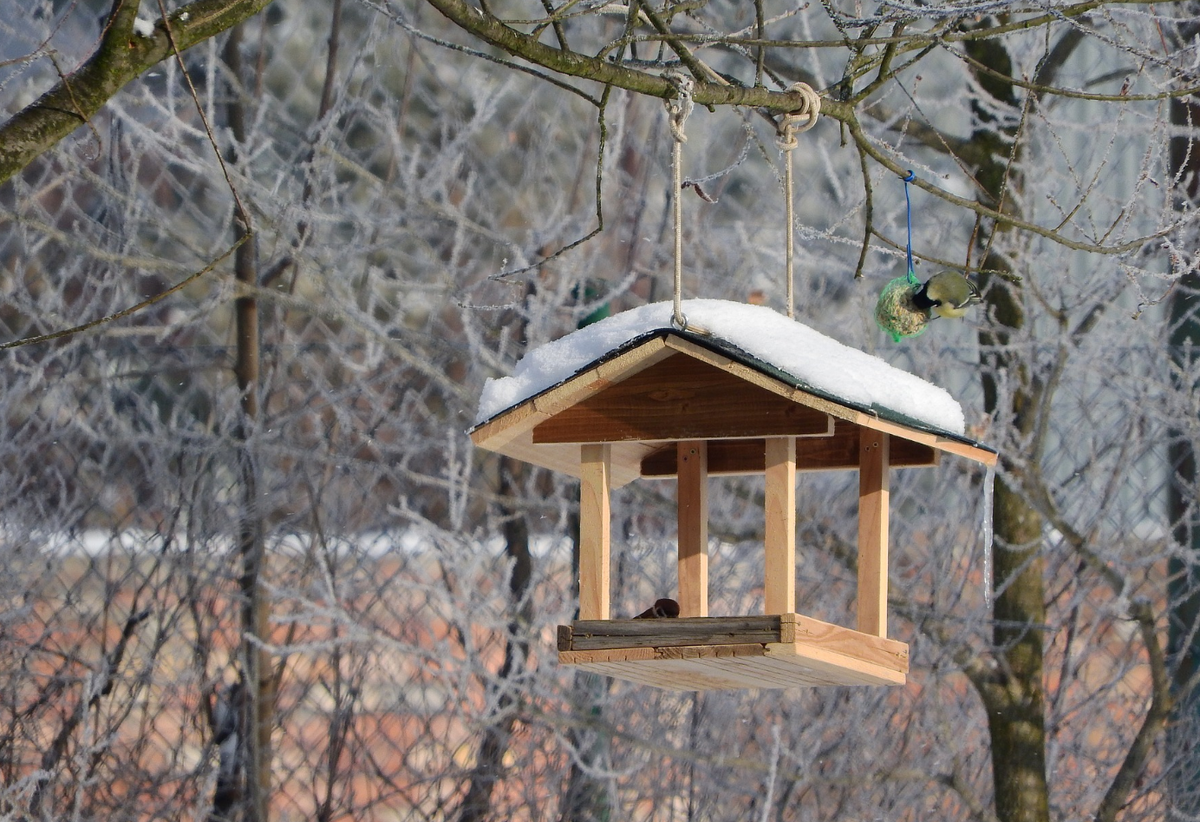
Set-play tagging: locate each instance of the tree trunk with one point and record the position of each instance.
(1015, 700)
(489, 763)
(1014, 695)
(1183, 586)
(257, 673)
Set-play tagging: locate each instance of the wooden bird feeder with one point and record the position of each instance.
(671, 404)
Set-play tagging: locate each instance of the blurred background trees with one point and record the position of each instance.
(254, 568)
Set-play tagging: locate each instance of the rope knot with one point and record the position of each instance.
(800, 120)
(679, 106)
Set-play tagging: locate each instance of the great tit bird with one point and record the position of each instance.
(947, 294)
(662, 609)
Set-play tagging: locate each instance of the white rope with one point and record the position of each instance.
(787, 196)
(791, 124)
(678, 109)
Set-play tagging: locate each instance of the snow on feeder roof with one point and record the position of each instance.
(754, 334)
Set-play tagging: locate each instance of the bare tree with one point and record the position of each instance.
(254, 280)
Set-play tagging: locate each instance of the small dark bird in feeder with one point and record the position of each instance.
(662, 609)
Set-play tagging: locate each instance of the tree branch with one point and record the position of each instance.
(495, 32)
(1152, 723)
(876, 154)
(121, 56)
(491, 30)
(701, 71)
(1044, 89)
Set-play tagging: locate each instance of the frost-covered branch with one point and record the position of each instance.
(128, 48)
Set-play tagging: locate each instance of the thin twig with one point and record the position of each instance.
(66, 84)
(559, 31)
(67, 332)
(868, 215)
(243, 214)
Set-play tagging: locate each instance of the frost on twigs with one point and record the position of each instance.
(895, 312)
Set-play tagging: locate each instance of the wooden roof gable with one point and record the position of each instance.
(671, 386)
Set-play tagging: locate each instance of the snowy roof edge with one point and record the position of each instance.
(611, 354)
(728, 349)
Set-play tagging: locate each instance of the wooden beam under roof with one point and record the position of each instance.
(950, 446)
(836, 453)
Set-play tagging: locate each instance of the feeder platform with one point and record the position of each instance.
(709, 653)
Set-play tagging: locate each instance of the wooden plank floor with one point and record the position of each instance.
(710, 653)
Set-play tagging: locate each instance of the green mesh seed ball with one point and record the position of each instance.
(895, 311)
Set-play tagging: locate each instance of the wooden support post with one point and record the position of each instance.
(692, 459)
(595, 529)
(873, 486)
(779, 589)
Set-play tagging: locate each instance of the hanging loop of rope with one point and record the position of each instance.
(678, 109)
(800, 120)
(791, 124)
